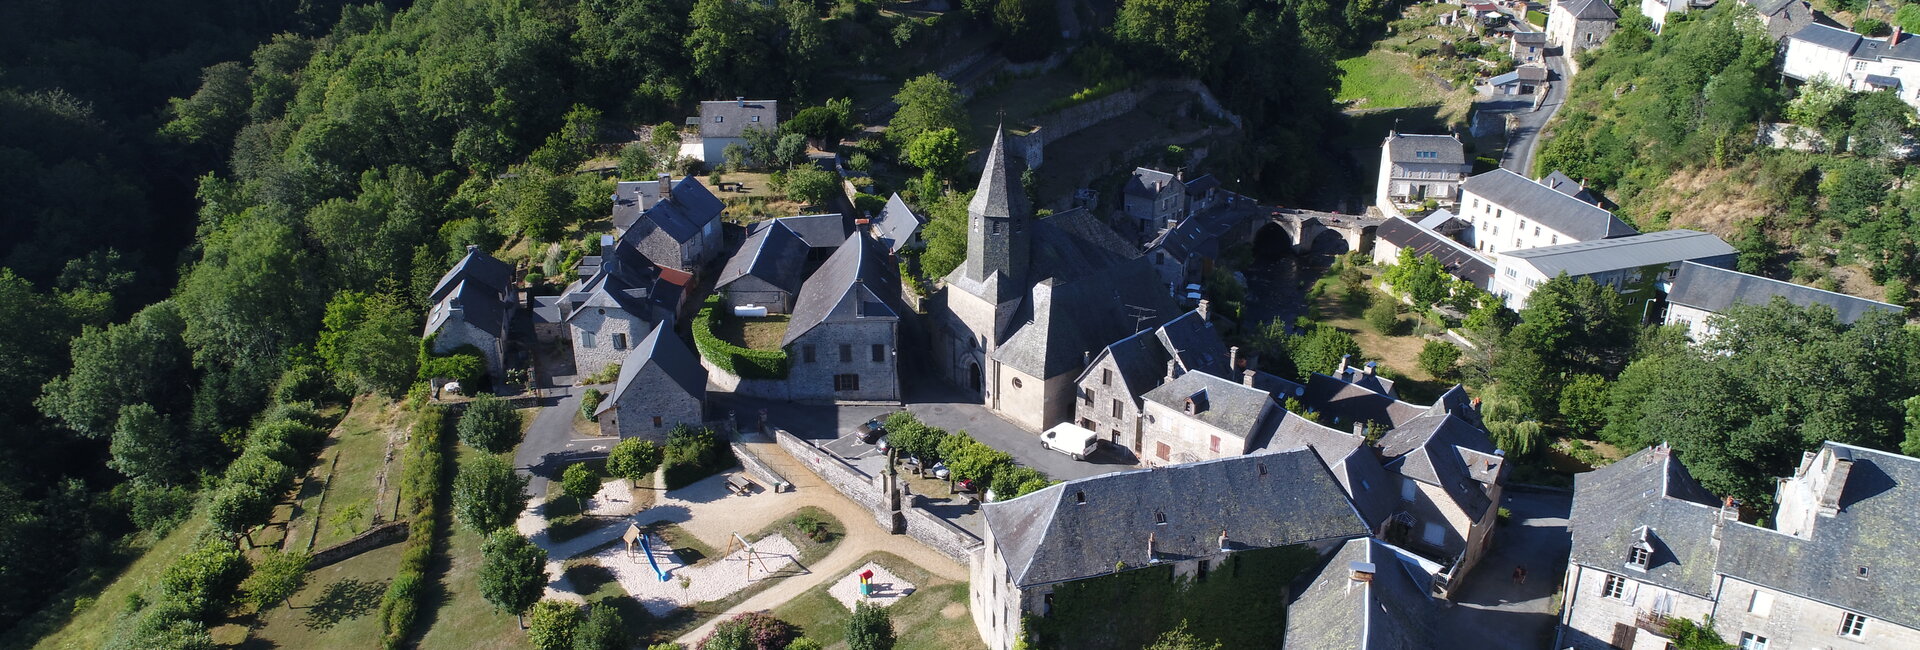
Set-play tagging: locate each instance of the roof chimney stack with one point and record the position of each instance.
(1344, 371)
(1368, 369)
(666, 185)
(1173, 370)
(740, 101)
(1233, 358)
(1223, 539)
(1247, 377)
(1202, 308)
(472, 247)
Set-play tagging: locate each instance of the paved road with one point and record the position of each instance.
(549, 444)
(1524, 138)
(1493, 612)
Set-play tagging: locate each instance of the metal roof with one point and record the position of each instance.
(1716, 289)
(1655, 248)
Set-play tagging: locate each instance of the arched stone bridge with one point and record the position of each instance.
(1304, 226)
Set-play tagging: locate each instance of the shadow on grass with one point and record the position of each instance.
(345, 599)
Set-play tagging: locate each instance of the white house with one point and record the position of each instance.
(1701, 292)
(1622, 263)
(1416, 167)
(1505, 212)
(725, 122)
(1854, 61)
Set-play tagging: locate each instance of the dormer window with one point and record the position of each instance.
(1080, 498)
(1640, 554)
(1159, 518)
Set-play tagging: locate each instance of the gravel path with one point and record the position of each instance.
(688, 585)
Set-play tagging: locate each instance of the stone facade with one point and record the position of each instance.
(865, 350)
(457, 332)
(1599, 620)
(602, 336)
(1154, 200)
(1107, 405)
(1171, 436)
(689, 256)
(750, 290)
(996, 603)
(651, 408)
(1577, 25)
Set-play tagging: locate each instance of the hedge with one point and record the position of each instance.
(744, 362)
(465, 364)
(693, 454)
(420, 489)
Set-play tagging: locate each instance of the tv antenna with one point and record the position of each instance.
(1140, 315)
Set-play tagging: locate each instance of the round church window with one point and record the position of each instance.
(1016, 382)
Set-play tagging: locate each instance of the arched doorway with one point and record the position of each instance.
(973, 376)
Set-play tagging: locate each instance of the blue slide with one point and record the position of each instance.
(646, 544)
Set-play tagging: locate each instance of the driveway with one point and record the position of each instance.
(1523, 136)
(1492, 610)
(550, 445)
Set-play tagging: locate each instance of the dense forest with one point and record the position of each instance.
(213, 201)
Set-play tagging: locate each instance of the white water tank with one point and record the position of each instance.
(750, 311)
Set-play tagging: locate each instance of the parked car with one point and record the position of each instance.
(1070, 439)
(940, 471)
(963, 485)
(870, 430)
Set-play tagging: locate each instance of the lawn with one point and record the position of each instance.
(933, 617)
(1382, 79)
(89, 625)
(452, 611)
(357, 492)
(1398, 354)
(752, 333)
(337, 608)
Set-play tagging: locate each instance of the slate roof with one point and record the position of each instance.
(1832, 38)
(1200, 186)
(1541, 204)
(1342, 403)
(1261, 500)
(1531, 72)
(998, 195)
(774, 254)
(1882, 81)
(628, 281)
(1770, 7)
(1391, 612)
(1649, 489)
(1196, 343)
(1716, 290)
(1223, 403)
(1654, 248)
(896, 224)
(856, 282)
(685, 212)
(1200, 233)
(1530, 38)
(1140, 360)
(476, 265)
(664, 350)
(1505, 79)
(1092, 279)
(1449, 452)
(1564, 184)
(1280, 387)
(819, 230)
(738, 116)
(1874, 529)
(630, 198)
(1147, 182)
(1590, 10)
(479, 305)
(1454, 256)
(1407, 147)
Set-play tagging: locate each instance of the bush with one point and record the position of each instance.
(633, 459)
(693, 454)
(276, 577)
(201, 582)
(156, 509)
(815, 528)
(969, 459)
(744, 362)
(465, 365)
(551, 624)
(749, 631)
(1011, 482)
(607, 375)
(420, 486)
(1384, 316)
(804, 643)
(870, 628)
(590, 402)
(302, 383)
(1438, 357)
(914, 438)
(490, 424)
(580, 483)
(602, 629)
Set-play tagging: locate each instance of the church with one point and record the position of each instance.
(1035, 299)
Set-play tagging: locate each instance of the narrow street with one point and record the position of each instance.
(1523, 139)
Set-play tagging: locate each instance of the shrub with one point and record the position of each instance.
(804, 643)
(580, 483)
(156, 509)
(914, 438)
(1438, 357)
(551, 624)
(747, 363)
(969, 459)
(869, 628)
(1384, 316)
(465, 364)
(633, 459)
(607, 375)
(276, 577)
(1010, 482)
(490, 424)
(302, 383)
(749, 631)
(420, 487)
(693, 454)
(202, 581)
(602, 629)
(590, 402)
(815, 528)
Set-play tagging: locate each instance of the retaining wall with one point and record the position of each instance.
(758, 469)
(950, 540)
(857, 485)
(375, 537)
(870, 492)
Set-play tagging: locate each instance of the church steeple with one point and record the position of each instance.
(997, 221)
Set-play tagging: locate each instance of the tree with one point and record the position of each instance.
(730, 41)
(1321, 349)
(601, 629)
(1179, 638)
(749, 631)
(664, 141)
(812, 185)
(633, 459)
(552, 623)
(1688, 635)
(938, 152)
(513, 571)
(1420, 277)
(635, 161)
(1583, 404)
(1908, 17)
(135, 362)
(580, 483)
(490, 424)
(1383, 315)
(215, 111)
(914, 438)
(488, 495)
(1028, 28)
(945, 234)
(869, 628)
(821, 124)
(147, 446)
(276, 577)
(1516, 438)
(1177, 31)
(237, 507)
(369, 342)
(927, 103)
(1438, 357)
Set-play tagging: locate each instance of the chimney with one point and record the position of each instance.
(1247, 377)
(606, 250)
(1837, 471)
(1173, 371)
(740, 101)
(1223, 539)
(1360, 571)
(1360, 428)
(1344, 372)
(1152, 556)
(1233, 358)
(1202, 308)
(1368, 369)
(666, 185)
(1086, 357)
(472, 247)
(1895, 39)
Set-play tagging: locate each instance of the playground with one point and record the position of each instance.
(654, 575)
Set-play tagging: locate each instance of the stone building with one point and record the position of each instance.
(662, 385)
(681, 230)
(1835, 570)
(1196, 415)
(619, 299)
(1191, 517)
(1111, 387)
(1576, 25)
(1699, 292)
(1034, 299)
(1415, 168)
(723, 123)
(843, 340)
(473, 304)
(1154, 200)
(767, 271)
(897, 226)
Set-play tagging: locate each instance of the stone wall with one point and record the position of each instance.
(375, 537)
(758, 468)
(853, 483)
(732, 383)
(888, 510)
(1073, 119)
(950, 540)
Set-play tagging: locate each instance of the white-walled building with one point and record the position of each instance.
(1505, 212)
(1701, 292)
(1854, 61)
(725, 122)
(1415, 168)
(1624, 263)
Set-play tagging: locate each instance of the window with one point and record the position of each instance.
(1016, 382)
(1499, 214)
(1213, 444)
(1853, 625)
(997, 226)
(619, 341)
(1407, 490)
(756, 118)
(656, 422)
(1160, 450)
(1426, 154)
(806, 353)
(1512, 273)
(1751, 641)
(1639, 557)
(1159, 258)
(1159, 518)
(1536, 231)
(1859, 66)
(1556, 239)
(719, 118)
(1106, 376)
(1516, 242)
(586, 339)
(879, 353)
(1201, 572)
(1523, 225)
(1615, 587)
(1761, 605)
(1080, 498)
(846, 382)
(1116, 407)
(1433, 534)
(1089, 396)
(846, 353)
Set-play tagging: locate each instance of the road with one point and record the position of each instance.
(550, 445)
(1494, 612)
(1524, 136)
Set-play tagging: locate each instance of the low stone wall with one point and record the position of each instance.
(950, 540)
(1073, 119)
(857, 485)
(375, 537)
(732, 383)
(757, 468)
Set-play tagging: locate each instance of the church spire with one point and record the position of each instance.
(997, 228)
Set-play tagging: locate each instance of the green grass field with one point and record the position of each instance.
(337, 608)
(354, 495)
(88, 627)
(1381, 79)
(933, 617)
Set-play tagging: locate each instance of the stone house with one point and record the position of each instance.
(1458, 259)
(631, 198)
(1187, 252)
(1505, 211)
(844, 337)
(1782, 17)
(662, 385)
(1196, 415)
(767, 271)
(897, 226)
(1154, 200)
(1853, 61)
(1650, 544)
(473, 304)
(1528, 47)
(1523, 80)
(1111, 387)
(726, 122)
(1577, 25)
(1189, 516)
(1367, 596)
(1624, 263)
(1699, 292)
(1415, 168)
(619, 301)
(681, 230)
(1023, 314)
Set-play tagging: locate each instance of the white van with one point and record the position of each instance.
(1071, 440)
